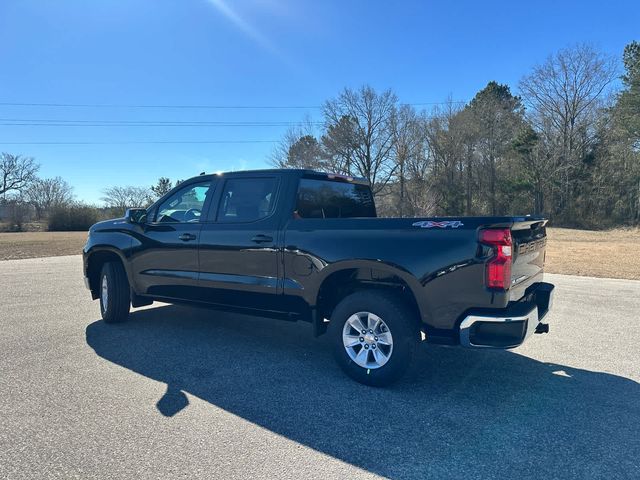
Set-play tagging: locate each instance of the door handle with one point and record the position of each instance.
(185, 237)
(262, 239)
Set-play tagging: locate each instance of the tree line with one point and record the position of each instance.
(567, 146)
(27, 198)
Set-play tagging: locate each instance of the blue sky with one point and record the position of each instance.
(251, 53)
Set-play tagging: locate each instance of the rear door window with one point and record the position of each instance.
(333, 199)
(247, 199)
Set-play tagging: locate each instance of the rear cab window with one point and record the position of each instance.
(320, 198)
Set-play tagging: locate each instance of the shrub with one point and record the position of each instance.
(73, 218)
(17, 214)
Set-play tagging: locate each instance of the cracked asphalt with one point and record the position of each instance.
(181, 392)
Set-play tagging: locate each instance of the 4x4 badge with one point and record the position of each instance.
(443, 224)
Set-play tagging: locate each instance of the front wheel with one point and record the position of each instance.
(115, 296)
(374, 336)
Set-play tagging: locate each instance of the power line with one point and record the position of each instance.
(40, 121)
(159, 123)
(425, 104)
(109, 105)
(159, 142)
(204, 107)
(128, 125)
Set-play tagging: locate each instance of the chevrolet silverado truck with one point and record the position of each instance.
(303, 245)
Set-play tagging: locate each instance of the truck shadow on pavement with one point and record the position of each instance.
(459, 413)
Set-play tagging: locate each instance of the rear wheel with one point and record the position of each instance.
(374, 336)
(115, 297)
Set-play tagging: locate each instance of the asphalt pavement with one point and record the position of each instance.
(181, 392)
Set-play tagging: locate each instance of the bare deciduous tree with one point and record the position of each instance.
(445, 135)
(371, 114)
(563, 95)
(46, 194)
(126, 197)
(16, 172)
(408, 147)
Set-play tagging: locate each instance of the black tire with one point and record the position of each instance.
(116, 308)
(399, 321)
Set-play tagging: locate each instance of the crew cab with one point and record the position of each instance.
(306, 246)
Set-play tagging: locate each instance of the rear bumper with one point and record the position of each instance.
(509, 327)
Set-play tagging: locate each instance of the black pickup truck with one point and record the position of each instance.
(304, 245)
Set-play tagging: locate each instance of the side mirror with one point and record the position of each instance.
(136, 215)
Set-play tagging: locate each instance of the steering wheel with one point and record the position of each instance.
(194, 213)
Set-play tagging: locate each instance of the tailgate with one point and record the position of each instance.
(528, 255)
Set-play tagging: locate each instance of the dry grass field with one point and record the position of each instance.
(40, 244)
(612, 253)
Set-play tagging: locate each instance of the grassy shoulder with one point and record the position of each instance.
(609, 253)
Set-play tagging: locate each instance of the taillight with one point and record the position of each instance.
(499, 267)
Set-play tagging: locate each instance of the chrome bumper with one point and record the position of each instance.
(511, 327)
(531, 319)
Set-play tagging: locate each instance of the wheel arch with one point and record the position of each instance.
(340, 280)
(95, 259)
